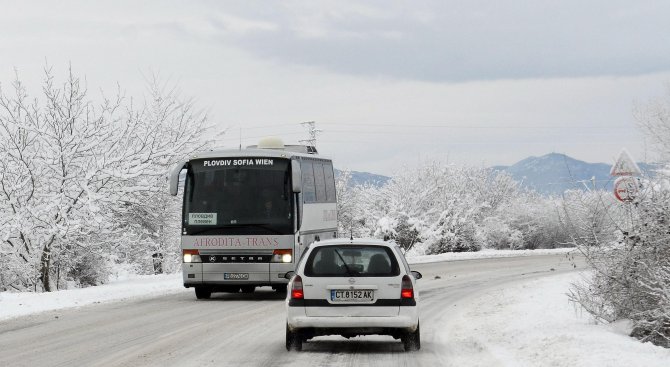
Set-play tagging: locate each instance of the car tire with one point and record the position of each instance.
(293, 340)
(203, 292)
(412, 340)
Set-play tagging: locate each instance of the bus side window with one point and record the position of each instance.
(308, 188)
(330, 182)
(320, 182)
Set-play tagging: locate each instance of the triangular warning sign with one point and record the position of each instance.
(625, 165)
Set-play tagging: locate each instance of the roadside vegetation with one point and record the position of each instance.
(82, 181)
(628, 244)
(437, 208)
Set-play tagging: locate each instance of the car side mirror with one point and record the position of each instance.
(289, 275)
(416, 275)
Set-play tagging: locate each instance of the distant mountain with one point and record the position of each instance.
(554, 173)
(362, 178)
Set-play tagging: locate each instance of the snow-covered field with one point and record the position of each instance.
(533, 324)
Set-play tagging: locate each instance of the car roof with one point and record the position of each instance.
(354, 242)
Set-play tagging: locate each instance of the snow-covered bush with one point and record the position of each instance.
(452, 235)
(630, 278)
(537, 220)
(405, 232)
(592, 217)
(499, 235)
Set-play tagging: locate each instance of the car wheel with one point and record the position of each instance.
(293, 340)
(203, 292)
(412, 340)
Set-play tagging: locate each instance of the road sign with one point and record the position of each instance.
(625, 165)
(626, 188)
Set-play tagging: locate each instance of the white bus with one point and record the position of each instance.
(248, 214)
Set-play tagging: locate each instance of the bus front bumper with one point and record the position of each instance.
(266, 274)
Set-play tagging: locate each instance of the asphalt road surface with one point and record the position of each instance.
(248, 329)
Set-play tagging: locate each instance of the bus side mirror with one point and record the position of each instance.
(296, 176)
(173, 178)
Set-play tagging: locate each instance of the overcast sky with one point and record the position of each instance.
(390, 83)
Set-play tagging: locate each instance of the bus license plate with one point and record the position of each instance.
(357, 295)
(236, 276)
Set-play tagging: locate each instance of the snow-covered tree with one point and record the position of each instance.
(73, 171)
(435, 207)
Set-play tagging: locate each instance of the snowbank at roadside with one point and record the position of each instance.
(483, 254)
(533, 324)
(20, 304)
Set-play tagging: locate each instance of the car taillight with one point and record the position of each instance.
(296, 288)
(191, 256)
(407, 289)
(282, 256)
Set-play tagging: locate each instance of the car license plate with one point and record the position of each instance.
(354, 295)
(236, 276)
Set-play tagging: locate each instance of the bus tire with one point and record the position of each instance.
(203, 292)
(248, 288)
(282, 288)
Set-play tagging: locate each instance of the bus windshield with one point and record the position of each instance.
(238, 196)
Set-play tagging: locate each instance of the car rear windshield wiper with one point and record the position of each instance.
(349, 272)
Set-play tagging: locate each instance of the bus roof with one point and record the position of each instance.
(252, 152)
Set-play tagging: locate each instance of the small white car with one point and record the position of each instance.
(352, 287)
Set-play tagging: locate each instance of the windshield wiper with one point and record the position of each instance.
(349, 272)
(256, 225)
(264, 226)
(192, 233)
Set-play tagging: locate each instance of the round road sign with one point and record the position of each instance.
(626, 188)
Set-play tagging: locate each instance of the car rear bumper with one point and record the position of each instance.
(407, 318)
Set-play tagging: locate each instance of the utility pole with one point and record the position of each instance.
(312, 131)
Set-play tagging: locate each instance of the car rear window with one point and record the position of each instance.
(352, 261)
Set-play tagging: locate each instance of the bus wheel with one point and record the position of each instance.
(280, 288)
(248, 289)
(203, 292)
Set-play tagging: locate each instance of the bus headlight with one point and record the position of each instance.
(282, 256)
(192, 256)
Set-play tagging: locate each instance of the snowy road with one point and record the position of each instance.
(248, 330)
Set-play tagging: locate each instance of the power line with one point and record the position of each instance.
(445, 125)
(448, 126)
(464, 142)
